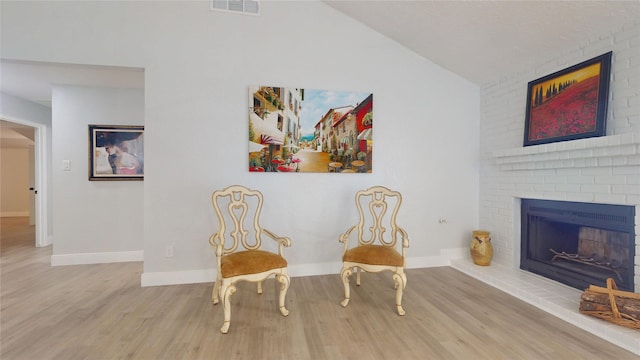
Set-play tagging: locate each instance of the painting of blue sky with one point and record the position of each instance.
(317, 102)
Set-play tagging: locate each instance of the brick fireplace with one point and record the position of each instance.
(597, 170)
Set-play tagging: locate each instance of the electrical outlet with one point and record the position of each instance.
(66, 165)
(168, 251)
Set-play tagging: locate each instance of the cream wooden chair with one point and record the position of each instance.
(238, 210)
(377, 234)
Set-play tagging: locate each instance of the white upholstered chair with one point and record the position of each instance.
(238, 246)
(378, 239)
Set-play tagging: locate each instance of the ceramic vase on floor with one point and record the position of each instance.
(481, 248)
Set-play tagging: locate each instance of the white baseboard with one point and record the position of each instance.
(209, 275)
(14, 213)
(97, 258)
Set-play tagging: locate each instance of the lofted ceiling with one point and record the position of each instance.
(478, 40)
(485, 40)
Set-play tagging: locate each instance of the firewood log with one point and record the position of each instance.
(590, 301)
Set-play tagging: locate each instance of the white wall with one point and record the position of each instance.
(198, 66)
(93, 216)
(598, 170)
(14, 180)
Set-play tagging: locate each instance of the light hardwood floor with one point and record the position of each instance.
(101, 312)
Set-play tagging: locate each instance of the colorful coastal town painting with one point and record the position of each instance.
(294, 130)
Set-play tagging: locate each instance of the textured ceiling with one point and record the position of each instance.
(485, 40)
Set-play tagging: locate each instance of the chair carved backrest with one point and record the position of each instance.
(238, 211)
(378, 209)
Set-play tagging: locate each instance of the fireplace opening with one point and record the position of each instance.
(578, 244)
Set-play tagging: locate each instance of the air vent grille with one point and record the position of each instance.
(249, 7)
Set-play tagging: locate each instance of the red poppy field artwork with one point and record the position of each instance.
(570, 104)
(571, 112)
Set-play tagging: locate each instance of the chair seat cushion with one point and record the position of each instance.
(250, 262)
(374, 255)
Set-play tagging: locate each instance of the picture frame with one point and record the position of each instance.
(301, 130)
(569, 104)
(116, 152)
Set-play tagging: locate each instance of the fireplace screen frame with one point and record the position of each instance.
(616, 218)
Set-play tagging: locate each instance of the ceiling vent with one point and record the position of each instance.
(250, 7)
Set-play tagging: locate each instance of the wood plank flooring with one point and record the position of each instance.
(101, 312)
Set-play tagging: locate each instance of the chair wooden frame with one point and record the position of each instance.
(386, 257)
(235, 214)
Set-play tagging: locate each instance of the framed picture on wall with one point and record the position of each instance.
(116, 152)
(294, 130)
(569, 104)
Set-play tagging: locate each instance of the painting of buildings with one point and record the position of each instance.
(304, 130)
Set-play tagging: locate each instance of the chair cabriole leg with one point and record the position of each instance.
(400, 280)
(345, 273)
(215, 293)
(284, 286)
(227, 291)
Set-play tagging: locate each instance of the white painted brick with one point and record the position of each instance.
(580, 163)
(624, 111)
(566, 172)
(596, 171)
(534, 179)
(524, 187)
(580, 179)
(544, 173)
(544, 187)
(555, 195)
(626, 189)
(624, 37)
(610, 179)
(633, 179)
(619, 161)
(624, 93)
(555, 179)
(610, 198)
(580, 197)
(630, 149)
(600, 152)
(568, 188)
(605, 189)
(591, 162)
(606, 161)
(627, 170)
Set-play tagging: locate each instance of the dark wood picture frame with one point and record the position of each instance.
(116, 152)
(569, 104)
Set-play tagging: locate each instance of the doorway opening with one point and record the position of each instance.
(13, 129)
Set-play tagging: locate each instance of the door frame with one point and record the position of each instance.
(41, 154)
